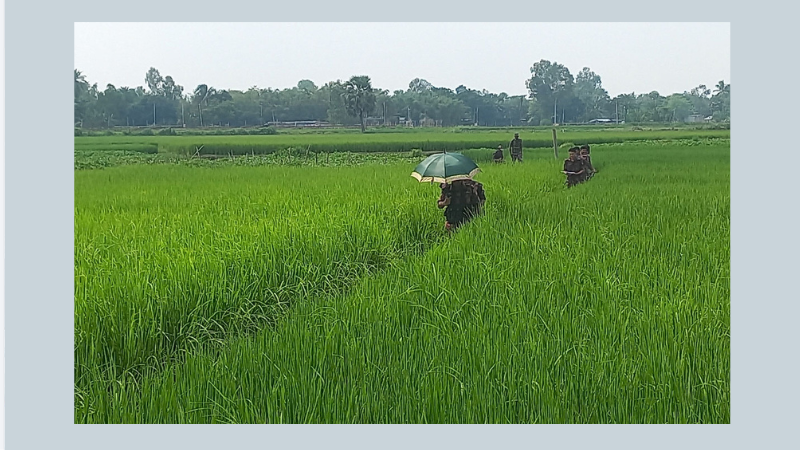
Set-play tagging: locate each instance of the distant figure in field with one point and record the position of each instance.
(585, 150)
(516, 148)
(498, 154)
(464, 200)
(573, 168)
(588, 170)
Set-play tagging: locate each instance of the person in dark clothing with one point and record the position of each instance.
(588, 170)
(588, 158)
(516, 148)
(463, 200)
(498, 154)
(573, 168)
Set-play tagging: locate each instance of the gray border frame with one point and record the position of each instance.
(40, 234)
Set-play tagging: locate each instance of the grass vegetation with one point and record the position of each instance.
(426, 140)
(307, 293)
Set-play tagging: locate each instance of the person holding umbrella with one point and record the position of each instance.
(464, 200)
(462, 197)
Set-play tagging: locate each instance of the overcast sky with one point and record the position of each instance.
(630, 57)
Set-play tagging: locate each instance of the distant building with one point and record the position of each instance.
(374, 121)
(428, 122)
(603, 121)
(300, 124)
(695, 118)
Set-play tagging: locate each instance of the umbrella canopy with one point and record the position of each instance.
(445, 168)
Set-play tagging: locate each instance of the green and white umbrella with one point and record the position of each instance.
(445, 168)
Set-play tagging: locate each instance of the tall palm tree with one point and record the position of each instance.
(82, 94)
(201, 95)
(359, 98)
(81, 85)
(722, 88)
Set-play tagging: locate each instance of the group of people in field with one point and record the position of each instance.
(515, 148)
(578, 167)
(464, 199)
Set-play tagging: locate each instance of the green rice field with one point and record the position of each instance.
(444, 139)
(292, 291)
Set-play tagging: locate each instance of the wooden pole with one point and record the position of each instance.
(555, 144)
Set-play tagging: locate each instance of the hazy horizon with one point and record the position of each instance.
(630, 57)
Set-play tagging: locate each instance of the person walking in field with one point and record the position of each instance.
(463, 200)
(498, 154)
(573, 168)
(585, 148)
(516, 148)
(587, 164)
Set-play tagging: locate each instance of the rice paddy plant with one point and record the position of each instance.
(604, 303)
(98, 159)
(87, 160)
(100, 146)
(387, 142)
(169, 258)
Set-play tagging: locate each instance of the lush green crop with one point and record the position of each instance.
(100, 146)
(331, 294)
(254, 130)
(190, 233)
(289, 157)
(387, 142)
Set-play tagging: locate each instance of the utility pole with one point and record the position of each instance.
(260, 107)
(555, 143)
(616, 110)
(154, 114)
(183, 116)
(555, 111)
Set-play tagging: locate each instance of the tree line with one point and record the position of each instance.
(554, 96)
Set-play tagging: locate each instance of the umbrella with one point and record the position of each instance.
(445, 168)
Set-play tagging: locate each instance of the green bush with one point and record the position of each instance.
(267, 131)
